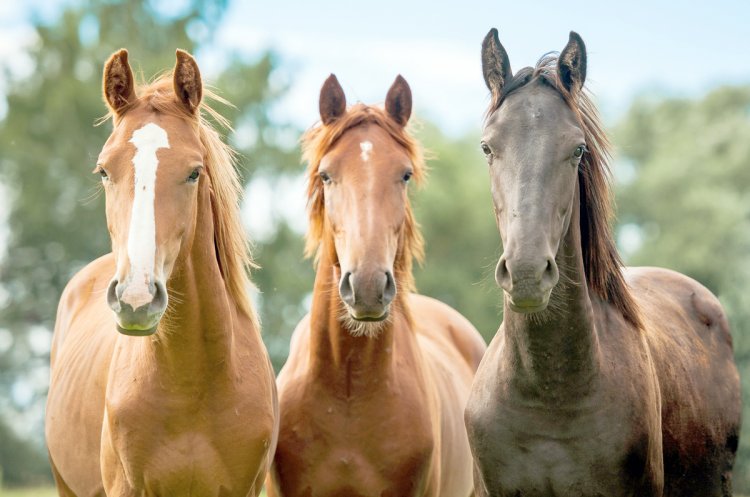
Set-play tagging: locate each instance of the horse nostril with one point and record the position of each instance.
(389, 292)
(550, 274)
(160, 300)
(502, 274)
(113, 300)
(345, 289)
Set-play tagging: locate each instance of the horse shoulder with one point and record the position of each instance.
(299, 353)
(488, 381)
(81, 337)
(453, 349)
(87, 284)
(436, 319)
(294, 383)
(81, 351)
(259, 397)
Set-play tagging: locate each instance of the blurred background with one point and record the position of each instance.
(672, 82)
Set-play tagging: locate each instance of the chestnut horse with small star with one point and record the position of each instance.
(373, 393)
(602, 380)
(160, 382)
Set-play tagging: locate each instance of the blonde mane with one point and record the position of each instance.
(231, 242)
(318, 141)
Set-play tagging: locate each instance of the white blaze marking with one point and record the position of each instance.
(142, 233)
(372, 177)
(366, 149)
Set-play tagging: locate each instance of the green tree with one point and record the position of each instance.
(48, 146)
(462, 244)
(685, 205)
(22, 463)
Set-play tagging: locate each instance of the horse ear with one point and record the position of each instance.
(332, 100)
(188, 85)
(118, 85)
(571, 65)
(398, 101)
(495, 64)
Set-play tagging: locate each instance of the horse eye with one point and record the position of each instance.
(486, 149)
(194, 175)
(324, 177)
(407, 176)
(578, 153)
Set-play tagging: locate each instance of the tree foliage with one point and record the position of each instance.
(22, 463)
(462, 244)
(687, 205)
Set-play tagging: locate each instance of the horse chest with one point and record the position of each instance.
(167, 443)
(547, 467)
(533, 451)
(354, 447)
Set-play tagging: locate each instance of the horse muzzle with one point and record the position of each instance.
(367, 297)
(137, 310)
(527, 284)
(528, 302)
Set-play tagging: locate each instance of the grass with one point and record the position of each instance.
(50, 492)
(28, 492)
(43, 492)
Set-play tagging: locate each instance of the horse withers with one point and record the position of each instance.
(373, 392)
(160, 383)
(601, 381)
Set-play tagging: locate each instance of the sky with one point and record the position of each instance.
(666, 47)
(663, 47)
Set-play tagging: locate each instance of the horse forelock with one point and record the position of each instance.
(318, 141)
(230, 240)
(602, 262)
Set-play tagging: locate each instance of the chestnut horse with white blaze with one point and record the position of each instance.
(160, 383)
(373, 393)
(601, 381)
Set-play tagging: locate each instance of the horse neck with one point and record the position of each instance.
(345, 361)
(198, 329)
(556, 352)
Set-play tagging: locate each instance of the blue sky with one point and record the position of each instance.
(669, 47)
(682, 48)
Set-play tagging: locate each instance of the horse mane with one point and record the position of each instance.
(602, 262)
(318, 140)
(230, 241)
